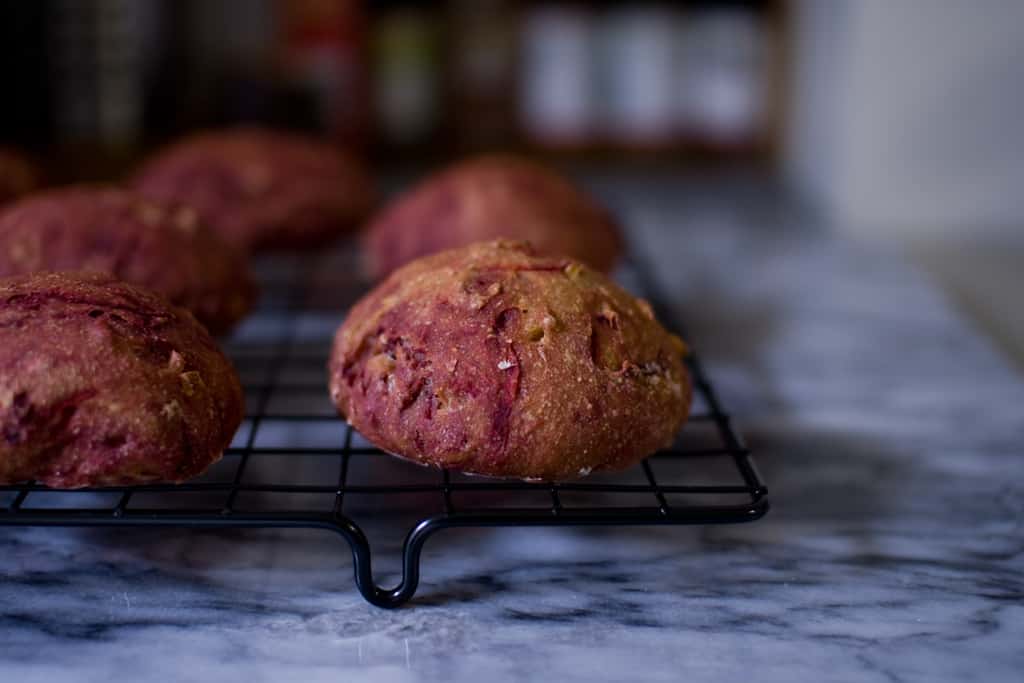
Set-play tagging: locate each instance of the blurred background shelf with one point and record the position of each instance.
(402, 81)
(898, 123)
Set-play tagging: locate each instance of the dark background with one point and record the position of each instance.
(101, 81)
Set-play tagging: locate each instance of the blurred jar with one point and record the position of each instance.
(406, 67)
(723, 85)
(638, 62)
(556, 78)
(100, 62)
(323, 46)
(101, 54)
(481, 72)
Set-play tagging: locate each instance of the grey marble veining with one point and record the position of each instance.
(889, 433)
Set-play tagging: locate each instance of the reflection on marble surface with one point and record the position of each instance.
(890, 436)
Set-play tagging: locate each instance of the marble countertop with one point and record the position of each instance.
(889, 433)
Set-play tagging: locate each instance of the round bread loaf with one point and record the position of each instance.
(17, 176)
(260, 188)
(114, 231)
(493, 360)
(494, 197)
(103, 383)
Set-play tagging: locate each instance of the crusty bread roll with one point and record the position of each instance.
(260, 188)
(493, 360)
(110, 230)
(104, 383)
(492, 197)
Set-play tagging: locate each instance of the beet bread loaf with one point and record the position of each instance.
(260, 188)
(109, 230)
(492, 197)
(103, 383)
(493, 360)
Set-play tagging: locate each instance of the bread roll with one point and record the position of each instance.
(104, 383)
(490, 198)
(493, 360)
(262, 189)
(109, 230)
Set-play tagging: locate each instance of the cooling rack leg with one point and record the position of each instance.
(388, 598)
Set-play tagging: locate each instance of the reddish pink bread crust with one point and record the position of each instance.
(492, 360)
(109, 230)
(103, 383)
(260, 188)
(488, 198)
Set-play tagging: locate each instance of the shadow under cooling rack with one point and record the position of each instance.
(294, 463)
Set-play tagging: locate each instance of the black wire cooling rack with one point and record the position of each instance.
(294, 463)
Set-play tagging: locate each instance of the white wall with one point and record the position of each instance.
(908, 115)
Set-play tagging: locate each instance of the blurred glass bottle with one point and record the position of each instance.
(481, 73)
(324, 47)
(407, 75)
(637, 63)
(99, 57)
(556, 80)
(102, 54)
(224, 71)
(724, 83)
